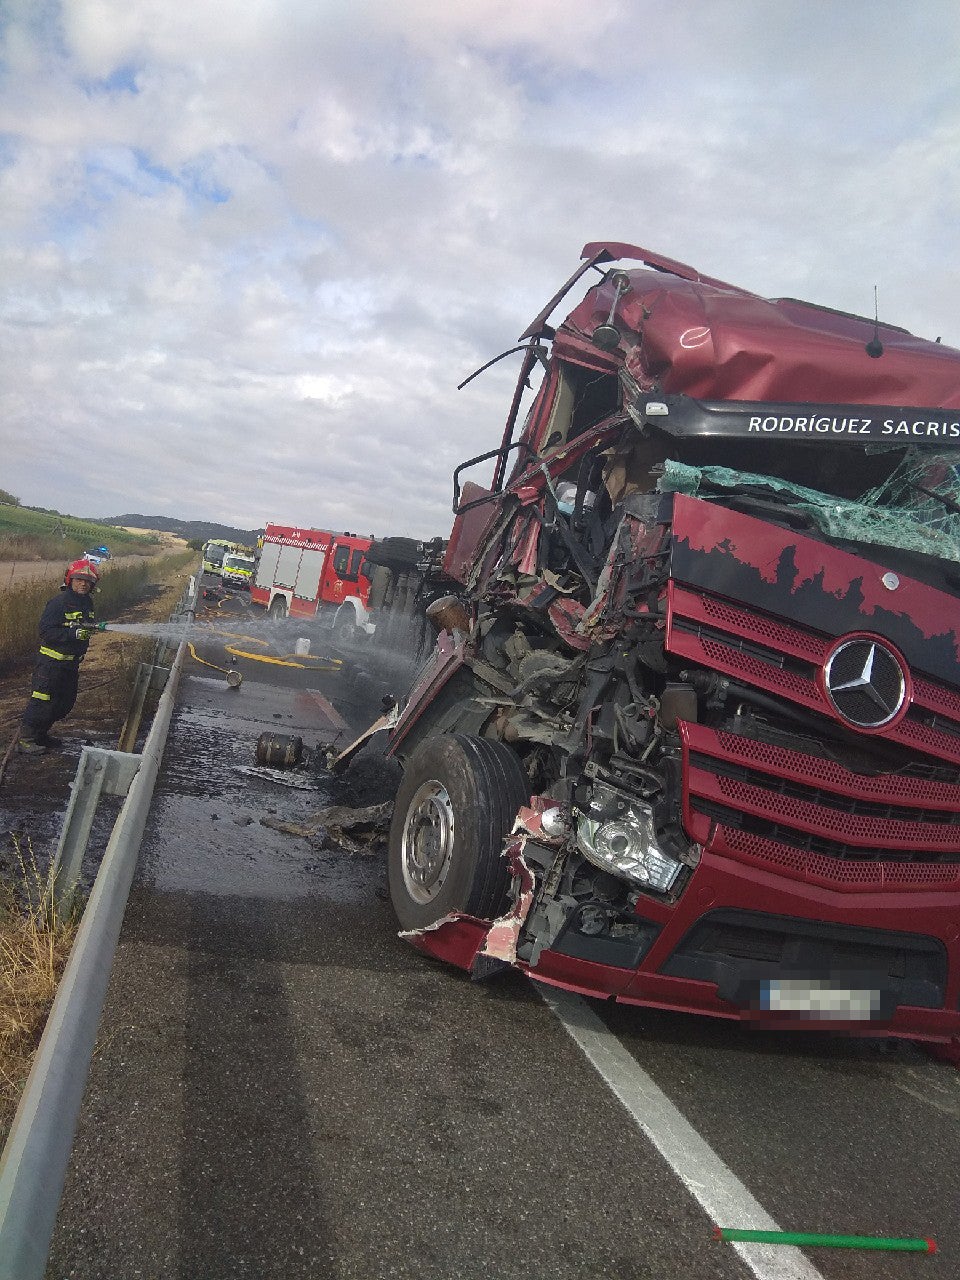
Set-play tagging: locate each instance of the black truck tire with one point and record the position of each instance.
(397, 553)
(345, 629)
(458, 799)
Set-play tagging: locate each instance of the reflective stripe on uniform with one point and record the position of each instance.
(44, 697)
(55, 653)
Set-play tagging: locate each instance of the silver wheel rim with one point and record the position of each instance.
(428, 835)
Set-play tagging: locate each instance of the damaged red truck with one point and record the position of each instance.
(691, 735)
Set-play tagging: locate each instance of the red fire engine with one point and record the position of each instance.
(310, 572)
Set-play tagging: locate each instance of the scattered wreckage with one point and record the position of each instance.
(690, 734)
(356, 830)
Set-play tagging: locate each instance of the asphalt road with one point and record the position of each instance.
(283, 1088)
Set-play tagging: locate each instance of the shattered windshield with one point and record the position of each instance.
(916, 508)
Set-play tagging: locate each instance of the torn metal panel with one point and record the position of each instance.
(455, 939)
(452, 918)
(501, 940)
(337, 761)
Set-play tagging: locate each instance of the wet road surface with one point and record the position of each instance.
(283, 1088)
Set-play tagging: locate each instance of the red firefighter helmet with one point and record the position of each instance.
(85, 570)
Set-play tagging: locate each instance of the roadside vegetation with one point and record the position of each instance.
(118, 587)
(34, 944)
(32, 533)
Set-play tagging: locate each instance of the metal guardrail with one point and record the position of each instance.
(98, 773)
(33, 1168)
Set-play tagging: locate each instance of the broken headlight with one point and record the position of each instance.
(618, 835)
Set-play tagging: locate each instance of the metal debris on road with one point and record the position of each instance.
(368, 827)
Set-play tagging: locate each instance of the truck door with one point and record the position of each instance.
(340, 573)
(342, 578)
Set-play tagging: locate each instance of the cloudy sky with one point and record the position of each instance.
(250, 247)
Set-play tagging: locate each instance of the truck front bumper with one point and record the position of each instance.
(741, 943)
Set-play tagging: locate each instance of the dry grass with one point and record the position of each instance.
(34, 944)
(118, 587)
(28, 546)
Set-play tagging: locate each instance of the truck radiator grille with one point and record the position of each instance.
(831, 870)
(816, 820)
(785, 661)
(786, 803)
(834, 816)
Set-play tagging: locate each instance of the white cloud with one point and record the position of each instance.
(279, 234)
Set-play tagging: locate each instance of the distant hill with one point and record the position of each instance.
(187, 529)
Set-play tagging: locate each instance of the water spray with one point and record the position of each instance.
(151, 630)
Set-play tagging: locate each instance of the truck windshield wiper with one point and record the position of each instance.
(772, 508)
(942, 498)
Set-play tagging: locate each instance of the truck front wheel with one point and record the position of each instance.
(345, 629)
(458, 799)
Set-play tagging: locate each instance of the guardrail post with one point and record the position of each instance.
(149, 676)
(99, 772)
(75, 832)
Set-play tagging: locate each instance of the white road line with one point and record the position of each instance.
(721, 1195)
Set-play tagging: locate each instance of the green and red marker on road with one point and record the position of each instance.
(810, 1238)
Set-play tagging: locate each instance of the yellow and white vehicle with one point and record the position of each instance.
(237, 571)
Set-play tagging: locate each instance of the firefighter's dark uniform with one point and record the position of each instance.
(56, 674)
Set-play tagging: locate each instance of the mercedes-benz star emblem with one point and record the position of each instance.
(865, 683)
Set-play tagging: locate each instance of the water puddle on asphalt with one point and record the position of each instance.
(206, 832)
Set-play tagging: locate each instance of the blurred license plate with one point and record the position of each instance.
(812, 999)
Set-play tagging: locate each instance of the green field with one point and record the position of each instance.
(27, 533)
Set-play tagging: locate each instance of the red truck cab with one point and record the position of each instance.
(697, 743)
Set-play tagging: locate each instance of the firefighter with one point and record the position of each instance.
(65, 627)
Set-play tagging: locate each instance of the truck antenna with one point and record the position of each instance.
(875, 346)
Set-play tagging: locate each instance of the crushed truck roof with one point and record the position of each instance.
(676, 332)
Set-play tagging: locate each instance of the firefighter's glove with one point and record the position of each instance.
(83, 630)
